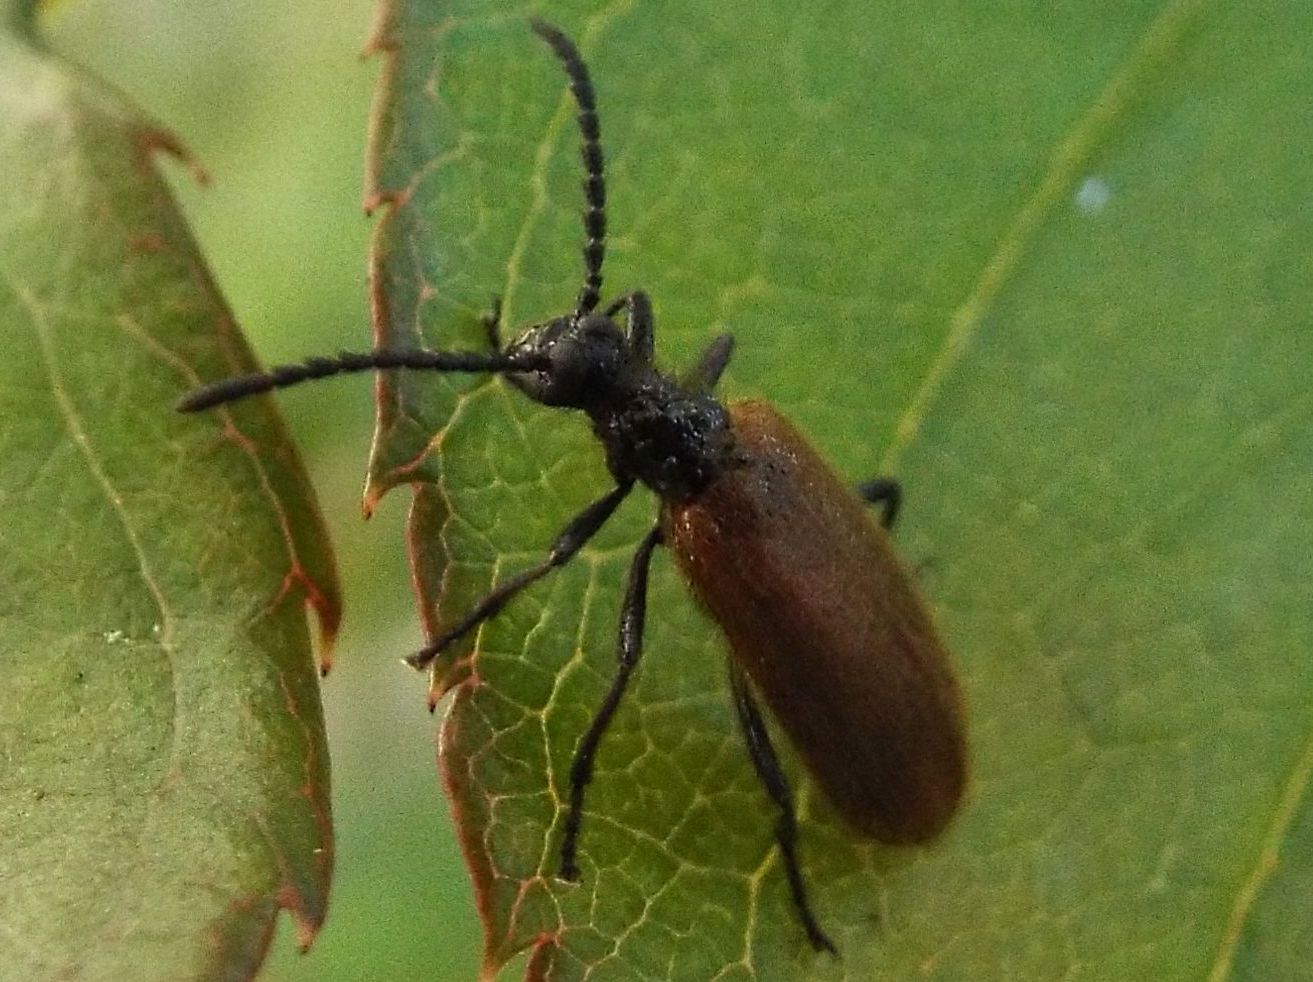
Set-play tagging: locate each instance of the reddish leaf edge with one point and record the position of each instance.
(457, 675)
(323, 599)
(237, 950)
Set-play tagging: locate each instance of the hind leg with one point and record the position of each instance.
(886, 493)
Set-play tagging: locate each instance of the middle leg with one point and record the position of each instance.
(628, 649)
(703, 376)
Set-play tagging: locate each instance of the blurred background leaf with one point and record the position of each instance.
(273, 101)
(165, 767)
(1053, 270)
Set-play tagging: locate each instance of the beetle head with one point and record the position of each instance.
(586, 358)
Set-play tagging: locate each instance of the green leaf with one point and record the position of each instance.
(165, 776)
(1053, 273)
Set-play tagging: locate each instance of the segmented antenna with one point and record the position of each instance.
(281, 376)
(590, 150)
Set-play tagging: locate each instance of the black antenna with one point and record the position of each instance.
(590, 149)
(594, 187)
(281, 376)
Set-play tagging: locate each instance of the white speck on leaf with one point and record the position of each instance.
(1093, 195)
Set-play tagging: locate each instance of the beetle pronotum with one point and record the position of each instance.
(820, 617)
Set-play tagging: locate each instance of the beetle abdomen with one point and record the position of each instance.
(830, 628)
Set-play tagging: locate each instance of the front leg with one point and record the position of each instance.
(640, 325)
(572, 538)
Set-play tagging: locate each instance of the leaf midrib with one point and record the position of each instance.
(1067, 162)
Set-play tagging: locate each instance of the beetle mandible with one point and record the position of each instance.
(821, 619)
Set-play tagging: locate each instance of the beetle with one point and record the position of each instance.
(821, 619)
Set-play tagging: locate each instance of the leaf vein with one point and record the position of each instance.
(1067, 162)
(73, 423)
(1265, 864)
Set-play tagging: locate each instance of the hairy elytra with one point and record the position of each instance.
(825, 621)
(821, 619)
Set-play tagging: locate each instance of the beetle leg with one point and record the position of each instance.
(581, 528)
(640, 325)
(703, 376)
(491, 321)
(887, 493)
(628, 649)
(777, 786)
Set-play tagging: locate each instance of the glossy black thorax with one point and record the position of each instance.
(675, 440)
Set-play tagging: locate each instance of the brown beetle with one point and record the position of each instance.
(821, 618)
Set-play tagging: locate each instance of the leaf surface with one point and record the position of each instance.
(1051, 272)
(164, 788)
